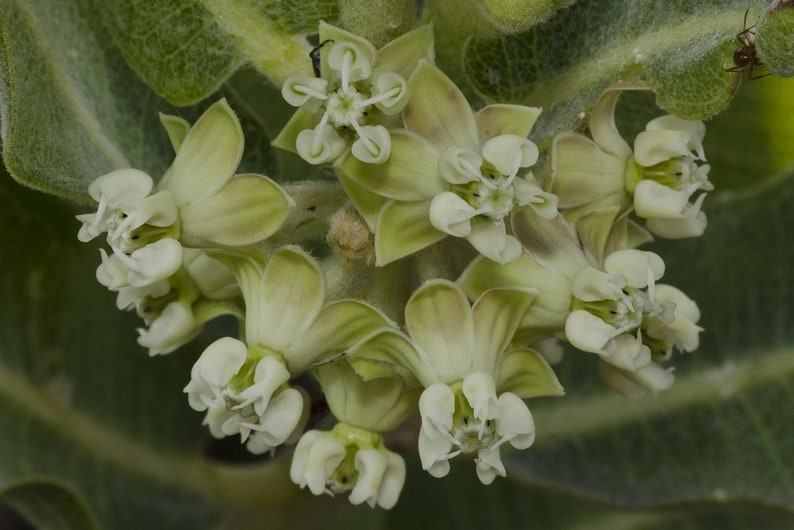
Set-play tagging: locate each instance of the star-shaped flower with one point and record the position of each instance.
(451, 172)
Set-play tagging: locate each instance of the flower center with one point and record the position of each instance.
(492, 194)
(346, 107)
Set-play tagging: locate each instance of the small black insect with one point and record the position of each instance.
(745, 56)
(314, 55)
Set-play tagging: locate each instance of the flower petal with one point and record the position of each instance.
(515, 421)
(437, 407)
(438, 110)
(338, 326)
(410, 173)
(589, 333)
(291, 296)
(120, 185)
(526, 373)
(317, 455)
(496, 120)
(497, 314)
(603, 128)
(507, 153)
(154, 262)
(208, 156)
(402, 54)
(439, 319)
(176, 128)
(386, 353)
(479, 388)
(250, 208)
(489, 465)
(640, 268)
(174, 327)
(403, 228)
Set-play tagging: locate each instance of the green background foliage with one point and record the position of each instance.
(95, 433)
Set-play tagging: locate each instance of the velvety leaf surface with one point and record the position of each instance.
(681, 48)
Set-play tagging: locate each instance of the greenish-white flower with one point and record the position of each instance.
(288, 329)
(473, 378)
(199, 202)
(359, 94)
(452, 172)
(659, 180)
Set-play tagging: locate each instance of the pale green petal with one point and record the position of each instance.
(497, 314)
(439, 320)
(603, 128)
(438, 110)
(208, 156)
(496, 120)
(654, 147)
(388, 352)
(596, 228)
(582, 172)
(410, 173)
(300, 121)
(553, 243)
(338, 326)
(176, 128)
(403, 53)
(367, 202)
(292, 294)
(525, 373)
(250, 208)
(403, 228)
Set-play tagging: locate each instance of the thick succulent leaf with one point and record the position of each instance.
(681, 49)
(185, 50)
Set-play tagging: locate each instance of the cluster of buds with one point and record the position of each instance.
(491, 262)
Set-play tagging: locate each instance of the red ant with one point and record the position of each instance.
(745, 55)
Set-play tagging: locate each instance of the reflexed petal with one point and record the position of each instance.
(553, 243)
(491, 240)
(293, 291)
(388, 352)
(639, 267)
(176, 128)
(603, 128)
(589, 333)
(403, 228)
(393, 480)
(582, 172)
(495, 120)
(410, 173)
(526, 373)
(319, 150)
(508, 153)
(451, 214)
(250, 208)
(515, 421)
(458, 165)
(480, 391)
(653, 147)
(213, 279)
(439, 319)
(497, 314)
(208, 156)
(403, 53)
(373, 145)
(438, 110)
(338, 326)
(300, 121)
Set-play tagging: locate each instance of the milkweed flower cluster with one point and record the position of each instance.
(474, 259)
